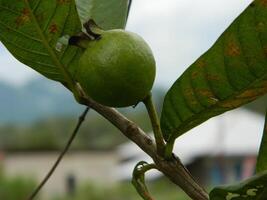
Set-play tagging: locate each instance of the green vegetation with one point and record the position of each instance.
(18, 188)
(15, 188)
(52, 134)
(161, 190)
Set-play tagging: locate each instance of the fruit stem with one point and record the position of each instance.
(93, 29)
(155, 124)
(80, 40)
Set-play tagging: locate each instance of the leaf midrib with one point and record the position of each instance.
(52, 54)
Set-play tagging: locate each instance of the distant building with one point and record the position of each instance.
(76, 168)
(221, 150)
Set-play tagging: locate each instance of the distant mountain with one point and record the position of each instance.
(39, 98)
(42, 98)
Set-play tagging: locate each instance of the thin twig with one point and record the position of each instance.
(66, 148)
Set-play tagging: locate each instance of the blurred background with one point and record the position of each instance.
(37, 116)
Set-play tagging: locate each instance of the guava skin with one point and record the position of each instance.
(117, 70)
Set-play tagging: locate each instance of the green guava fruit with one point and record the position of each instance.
(117, 70)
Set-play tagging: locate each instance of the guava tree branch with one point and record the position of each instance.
(172, 167)
(178, 174)
(127, 127)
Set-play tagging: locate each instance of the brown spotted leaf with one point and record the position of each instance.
(30, 30)
(231, 73)
(254, 188)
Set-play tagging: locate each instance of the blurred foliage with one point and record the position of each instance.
(15, 188)
(160, 190)
(52, 134)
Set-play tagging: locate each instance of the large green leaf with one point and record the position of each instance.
(262, 156)
(108, 14)
(254, 188)
(30, 30)
(228, 75)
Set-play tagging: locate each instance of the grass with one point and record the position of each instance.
(19, 188)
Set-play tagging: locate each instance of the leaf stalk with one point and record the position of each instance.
(160, 143)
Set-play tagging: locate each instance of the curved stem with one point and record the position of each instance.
(147, 167)
(155, 124)
(138, 179)
(50, 173)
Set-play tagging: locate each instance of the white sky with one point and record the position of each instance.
(178, 31)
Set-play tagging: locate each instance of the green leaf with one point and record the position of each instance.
(262, 156)
(30, 31)
(111, 14)
(254, 188)
(33, 30)
(231, 73)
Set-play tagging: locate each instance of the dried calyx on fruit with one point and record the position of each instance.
(117, 68)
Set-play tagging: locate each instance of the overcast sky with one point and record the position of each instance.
(178, 31)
